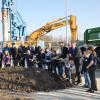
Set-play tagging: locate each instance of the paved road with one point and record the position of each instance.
(77, 93)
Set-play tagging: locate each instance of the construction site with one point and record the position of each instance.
(22, 79)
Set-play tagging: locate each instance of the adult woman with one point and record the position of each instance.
(91, 67)
(85, 70)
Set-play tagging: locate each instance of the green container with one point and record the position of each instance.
(92, 36)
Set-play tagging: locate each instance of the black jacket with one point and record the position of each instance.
(64, 52)
(14, 52)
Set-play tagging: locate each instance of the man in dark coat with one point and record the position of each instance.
(31, 49)
(14, 53)
(64, 50)
(21, 54)
(76, 55)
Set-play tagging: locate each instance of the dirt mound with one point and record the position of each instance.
(29, 80)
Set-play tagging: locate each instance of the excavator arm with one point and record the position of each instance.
(36, 34)
(53, 26)
(48, 28)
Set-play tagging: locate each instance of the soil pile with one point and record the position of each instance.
(29, 80)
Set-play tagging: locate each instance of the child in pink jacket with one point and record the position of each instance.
(6, 59)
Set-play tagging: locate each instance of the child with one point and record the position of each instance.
(42, 60)
(67, 68)
(48, 56)
(72, 69)
(6, 59)
(54, 62)
(29, 58)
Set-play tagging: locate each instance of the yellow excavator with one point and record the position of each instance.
(34, 36)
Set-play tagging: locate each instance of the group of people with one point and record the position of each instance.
(68, 62)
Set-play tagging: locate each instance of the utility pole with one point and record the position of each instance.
(66, 6)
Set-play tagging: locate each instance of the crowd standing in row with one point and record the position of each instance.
(70, 62)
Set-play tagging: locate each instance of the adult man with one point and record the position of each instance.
(21, 54)
(6, 48)
(76, 54)
(97, 50)
(64, 52)
(14, 53)
(31, 49)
